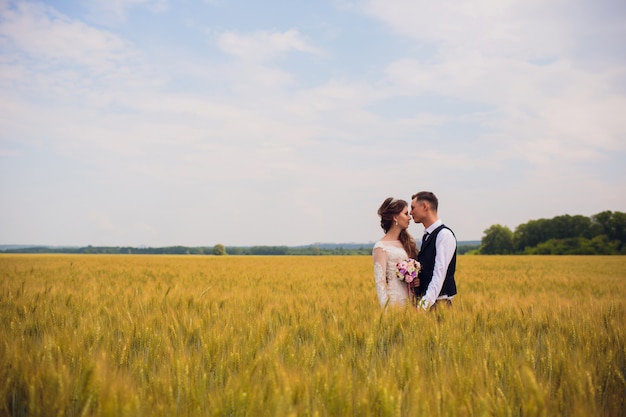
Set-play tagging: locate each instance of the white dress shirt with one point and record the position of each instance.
(446, 246)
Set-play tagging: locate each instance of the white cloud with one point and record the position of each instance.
(487, 52)
(111, 11)
(527, 30)
(264, 46)
(39, 35)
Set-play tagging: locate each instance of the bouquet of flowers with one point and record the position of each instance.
(407, 270)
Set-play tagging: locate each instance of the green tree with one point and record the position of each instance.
(219, 249)
(566, 226)
(532, 233)
(498, 240)
(611, 224)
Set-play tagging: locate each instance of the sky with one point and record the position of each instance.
(197, 122)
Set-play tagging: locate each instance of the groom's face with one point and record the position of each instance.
(417, 210)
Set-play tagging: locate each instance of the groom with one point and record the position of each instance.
(437, 254)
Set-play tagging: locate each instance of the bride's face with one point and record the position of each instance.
(403, 218)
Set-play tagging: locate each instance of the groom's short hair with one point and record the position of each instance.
(428, 197)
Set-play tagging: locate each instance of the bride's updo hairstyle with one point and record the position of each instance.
(390, 208)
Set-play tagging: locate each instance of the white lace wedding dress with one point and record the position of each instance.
(390, 290)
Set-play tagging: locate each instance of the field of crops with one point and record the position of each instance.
(121, 335)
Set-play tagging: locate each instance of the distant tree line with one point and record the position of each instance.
(324, 249)
(218, 250)
(600, 234)
(314, 250)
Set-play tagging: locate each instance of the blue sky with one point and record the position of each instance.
(139, 122)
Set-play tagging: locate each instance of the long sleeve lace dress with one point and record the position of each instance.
(390, 289)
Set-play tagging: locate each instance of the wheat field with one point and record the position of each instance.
(121, 335)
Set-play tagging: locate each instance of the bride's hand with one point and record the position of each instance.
(415, 283)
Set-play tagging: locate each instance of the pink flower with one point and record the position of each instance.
(407, 270)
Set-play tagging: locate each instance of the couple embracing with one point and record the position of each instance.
(399, 279)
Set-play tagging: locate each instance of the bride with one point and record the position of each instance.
(395, 246)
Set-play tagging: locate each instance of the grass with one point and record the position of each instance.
(304, 336)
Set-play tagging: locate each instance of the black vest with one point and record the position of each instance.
(426, 258)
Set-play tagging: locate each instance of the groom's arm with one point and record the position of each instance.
(445, 247)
